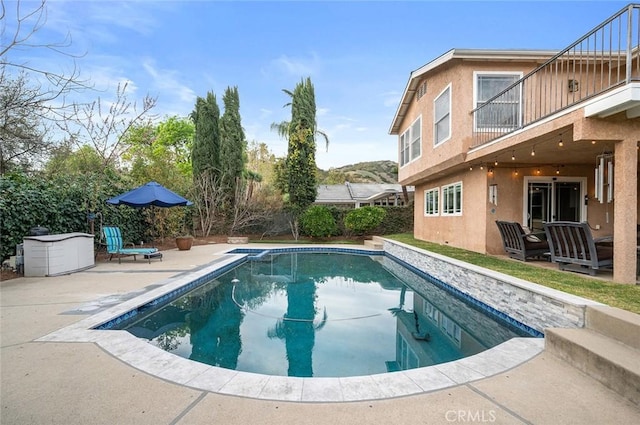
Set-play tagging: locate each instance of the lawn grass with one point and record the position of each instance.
(626, 297)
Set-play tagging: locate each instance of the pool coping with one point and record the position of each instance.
(146, 357)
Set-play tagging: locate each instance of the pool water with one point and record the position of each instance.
(321, 315)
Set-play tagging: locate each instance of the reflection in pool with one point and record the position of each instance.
(321, 315)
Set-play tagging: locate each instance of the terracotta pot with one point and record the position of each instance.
(184, 243)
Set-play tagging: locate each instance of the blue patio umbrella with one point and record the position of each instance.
(150, 194)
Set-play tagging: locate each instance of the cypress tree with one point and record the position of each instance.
(205, 155)
(233, 145)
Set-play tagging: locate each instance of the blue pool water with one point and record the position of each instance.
(323, 315)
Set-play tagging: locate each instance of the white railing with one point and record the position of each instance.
(605, 58)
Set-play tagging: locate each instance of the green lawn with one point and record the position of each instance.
(626, 297)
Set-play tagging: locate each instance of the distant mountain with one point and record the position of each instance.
(362, 172)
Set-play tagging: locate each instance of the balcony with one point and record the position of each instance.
(600, 71)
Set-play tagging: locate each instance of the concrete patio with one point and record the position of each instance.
(81, 383)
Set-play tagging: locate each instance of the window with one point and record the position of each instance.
(452, 199)
(504, 112)
(431, 205)
(442, 117)
(410, 142)
(404, 147)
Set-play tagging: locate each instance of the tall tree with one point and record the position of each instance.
(22, 129)
(233, 145)
(205, 155)
(32, 97)
(161, 152)
(301, 162)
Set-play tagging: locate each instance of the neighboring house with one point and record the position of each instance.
(527, 136)
(354, 195)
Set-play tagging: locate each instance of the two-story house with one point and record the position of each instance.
(527, 136)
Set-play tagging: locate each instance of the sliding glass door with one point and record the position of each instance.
(553, 199)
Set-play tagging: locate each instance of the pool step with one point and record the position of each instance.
(373, 243)
(607, 349)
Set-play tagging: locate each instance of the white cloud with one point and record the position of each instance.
(322, 112)
(299, 67)
(167, 81)
(391, 98)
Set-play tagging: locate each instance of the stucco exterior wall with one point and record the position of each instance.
(465, 230)
(475, 229)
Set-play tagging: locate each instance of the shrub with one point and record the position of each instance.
(362, 220)
(318, 222)
(397, 220)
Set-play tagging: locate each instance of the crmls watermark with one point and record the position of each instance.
(470, 416)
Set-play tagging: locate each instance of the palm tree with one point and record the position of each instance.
(284, 128)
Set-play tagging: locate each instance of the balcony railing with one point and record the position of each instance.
(605, 58)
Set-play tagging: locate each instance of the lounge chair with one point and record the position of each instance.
(115, 246)
(520, 244)
(572, 246)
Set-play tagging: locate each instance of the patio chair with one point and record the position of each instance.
(115, 246)
(572, 246)
(520, 244)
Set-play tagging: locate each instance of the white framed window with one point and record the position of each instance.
(404, 147)
(410, 142)
(504, 113)
(452, 199)
(442, 117)
(432, 202)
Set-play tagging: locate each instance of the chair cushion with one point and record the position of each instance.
(536, 245)
(137, 250)
(604, 252)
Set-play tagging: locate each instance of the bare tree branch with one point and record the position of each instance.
(104, 126)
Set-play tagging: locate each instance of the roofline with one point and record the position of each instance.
(467, 54)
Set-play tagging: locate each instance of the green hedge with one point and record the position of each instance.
(62, 204)
(397, 220)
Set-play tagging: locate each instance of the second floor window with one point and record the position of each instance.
(410, 142)
(452, 199)
(442, 117)
(503, 113)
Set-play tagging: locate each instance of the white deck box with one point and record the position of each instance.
(53, 255)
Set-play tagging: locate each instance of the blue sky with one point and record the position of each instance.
(358, 54)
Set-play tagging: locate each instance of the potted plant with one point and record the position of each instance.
(184, 242)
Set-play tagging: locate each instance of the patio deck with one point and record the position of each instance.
(79, 383)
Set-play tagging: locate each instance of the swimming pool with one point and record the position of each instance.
(211, 261)
(322, 314)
